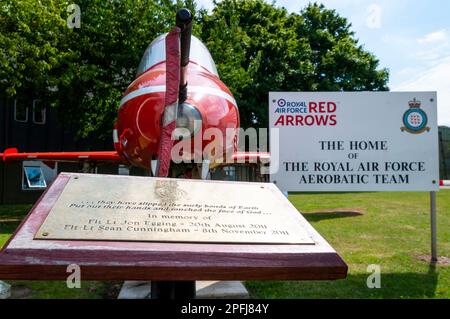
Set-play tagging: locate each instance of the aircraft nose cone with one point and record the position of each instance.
(184, 15)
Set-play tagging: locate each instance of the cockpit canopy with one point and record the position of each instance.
(156, 53)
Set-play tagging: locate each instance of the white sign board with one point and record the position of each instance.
(354, 141)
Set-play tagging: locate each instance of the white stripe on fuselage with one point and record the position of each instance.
(191, 89)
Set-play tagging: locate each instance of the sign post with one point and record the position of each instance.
(433, 222)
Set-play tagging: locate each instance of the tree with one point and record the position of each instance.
(32, 45)
(82, 71)
(109, 46)
(260, 48)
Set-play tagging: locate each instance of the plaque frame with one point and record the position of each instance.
(24, 258)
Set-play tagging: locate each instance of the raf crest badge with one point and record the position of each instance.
(415, 119)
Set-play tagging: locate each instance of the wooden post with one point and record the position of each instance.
(434, 256)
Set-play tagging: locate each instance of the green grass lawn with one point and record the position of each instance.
(392, 230)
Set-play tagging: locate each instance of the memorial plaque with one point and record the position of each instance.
(109, 208)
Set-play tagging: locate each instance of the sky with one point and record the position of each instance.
(410, 37)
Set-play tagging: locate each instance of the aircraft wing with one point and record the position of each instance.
(12, 154)
(251, 157)
(244, 158)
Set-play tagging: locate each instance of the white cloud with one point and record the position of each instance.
(205, 4)
(434, 53)
(433, 47)
(436, 36)
(434, 79)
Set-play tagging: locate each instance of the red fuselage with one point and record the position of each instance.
(137, 131)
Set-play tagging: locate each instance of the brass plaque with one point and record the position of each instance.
(119, 208)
